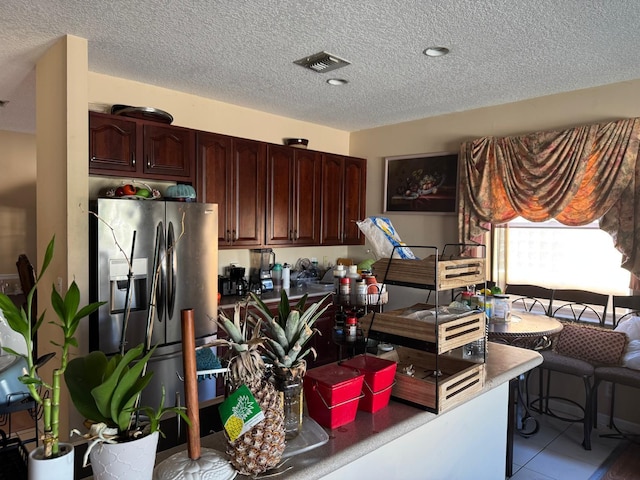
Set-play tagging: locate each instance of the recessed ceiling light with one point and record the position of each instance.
(337, 81)
(436, 51)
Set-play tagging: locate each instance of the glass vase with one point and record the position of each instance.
(288, 382)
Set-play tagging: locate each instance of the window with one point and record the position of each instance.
(557, 256)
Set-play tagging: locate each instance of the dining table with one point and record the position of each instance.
(534, 332)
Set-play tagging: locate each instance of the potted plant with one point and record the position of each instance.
(106, 392)
(47, 393)
(287, 333)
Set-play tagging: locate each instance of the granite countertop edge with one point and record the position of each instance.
(370, 431)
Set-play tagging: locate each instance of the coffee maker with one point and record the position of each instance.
(262, 261)
(233, 282)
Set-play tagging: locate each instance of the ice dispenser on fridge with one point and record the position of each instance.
(118, 280)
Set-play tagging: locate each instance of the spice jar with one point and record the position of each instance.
(361, 292)
(351, 328)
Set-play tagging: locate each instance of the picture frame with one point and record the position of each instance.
(423, 183)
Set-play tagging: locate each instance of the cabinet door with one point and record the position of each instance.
(332, 199)
(112, 144)
(168, 151)
(280, 195)
(326, 348)
(248, 192)
(355, 178)
(306, 212)
(213, 159)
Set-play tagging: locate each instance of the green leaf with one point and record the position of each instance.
(122, 414)
(279, 334)
(292, 325)
(127, 386)
(283, 308)
(48, 255)
(83, 374)
(103, 393)
(15, 317)
(261, 306)
(231, 329)
(276, 347)
(13, 352)
(301, 303)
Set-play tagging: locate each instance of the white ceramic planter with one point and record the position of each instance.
(58, 468)
(125, 460)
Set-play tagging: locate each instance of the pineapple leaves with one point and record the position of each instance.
(290, 329)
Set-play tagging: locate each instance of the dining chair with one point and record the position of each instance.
(530, 298)
(617, 375)
(579, 306)
(577, 351)
(629, 303)
(27, 281)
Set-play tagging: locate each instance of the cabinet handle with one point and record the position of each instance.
(291, 235)
(295, 235)
(133, 159)
(228, 236)
(148, 162)
(234, 236)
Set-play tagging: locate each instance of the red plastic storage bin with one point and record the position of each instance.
(379, 375)
(332, 394)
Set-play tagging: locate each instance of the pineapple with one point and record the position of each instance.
(289, 330)
(286, 335)
(260, 448)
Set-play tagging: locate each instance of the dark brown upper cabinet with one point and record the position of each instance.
(293, 196)
(231, 173)
(343, 199)
(140, 149)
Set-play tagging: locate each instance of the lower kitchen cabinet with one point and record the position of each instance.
(326, 348)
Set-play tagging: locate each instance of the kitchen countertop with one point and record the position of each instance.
(372, 431)
(273, 296)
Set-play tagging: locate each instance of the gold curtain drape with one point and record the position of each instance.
(575, 176)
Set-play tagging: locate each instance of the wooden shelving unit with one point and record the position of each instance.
(433, 371)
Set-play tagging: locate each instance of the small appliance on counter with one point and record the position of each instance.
(262, 261)
(233, 281)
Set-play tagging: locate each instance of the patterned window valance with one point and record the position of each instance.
(575, 176)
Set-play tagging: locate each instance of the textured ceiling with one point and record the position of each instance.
(242, 52)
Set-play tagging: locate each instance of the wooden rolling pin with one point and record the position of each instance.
(190, 383)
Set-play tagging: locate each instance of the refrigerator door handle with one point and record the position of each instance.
(160, 269)
(172, 269)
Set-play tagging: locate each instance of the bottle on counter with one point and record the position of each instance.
(361, 292)
(286, 276)
(276, 276)
(353, 276)
(338, 273)
(351, 328)
(344, 294)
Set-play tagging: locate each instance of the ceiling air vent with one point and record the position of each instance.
(322, 62)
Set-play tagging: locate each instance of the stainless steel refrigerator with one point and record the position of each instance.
(173, 249)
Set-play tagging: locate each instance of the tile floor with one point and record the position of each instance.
(555, 452)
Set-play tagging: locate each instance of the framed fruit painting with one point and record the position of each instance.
(424, 183)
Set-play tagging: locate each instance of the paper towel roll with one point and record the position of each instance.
(286, 277)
